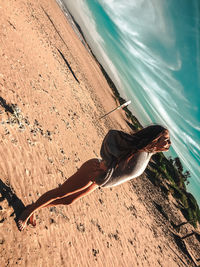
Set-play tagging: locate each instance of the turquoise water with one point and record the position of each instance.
(151, 50)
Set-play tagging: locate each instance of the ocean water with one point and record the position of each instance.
(151, 50)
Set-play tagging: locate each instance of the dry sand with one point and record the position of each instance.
(52, 93)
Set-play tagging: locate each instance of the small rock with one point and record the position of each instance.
(2, 241)
(95, 252)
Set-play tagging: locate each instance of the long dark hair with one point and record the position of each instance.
(120, 145)
(147, 136)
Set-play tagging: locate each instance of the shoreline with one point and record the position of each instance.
(52, 94)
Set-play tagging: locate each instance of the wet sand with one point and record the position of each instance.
(52, 94)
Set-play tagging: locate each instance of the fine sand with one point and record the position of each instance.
(52, 94)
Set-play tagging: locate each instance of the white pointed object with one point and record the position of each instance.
(121, 106)
(125, 104)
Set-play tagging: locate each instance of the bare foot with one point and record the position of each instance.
(24, 218)
(32, 220)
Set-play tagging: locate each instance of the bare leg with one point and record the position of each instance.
(72, 198)
(66, 201)
(80, 181)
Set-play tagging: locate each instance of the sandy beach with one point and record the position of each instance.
(52, 94)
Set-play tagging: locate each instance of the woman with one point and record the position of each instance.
(124, 157)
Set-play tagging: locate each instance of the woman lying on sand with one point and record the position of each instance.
(124, 157)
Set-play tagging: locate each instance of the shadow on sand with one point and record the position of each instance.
(13, 201)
